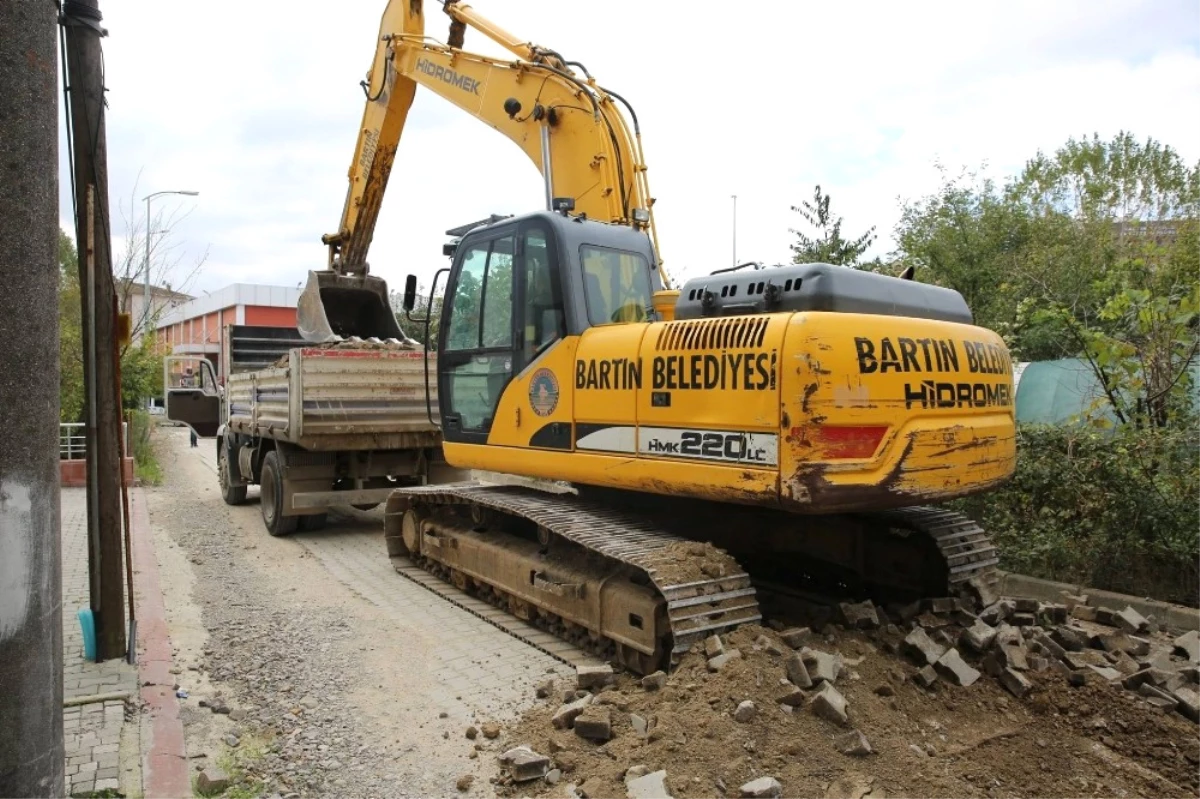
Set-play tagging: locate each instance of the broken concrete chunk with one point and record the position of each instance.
(829, 704)
(1112, 642)
(1189, 702)
(941, 605)
(544, 689)
(1125, 664)
(212, 780)
(565, 716)
(796, 637)
(1130, 620)
(654, 682)
(985, 588)
(769, 645)
(992, 664)
(1188, 645)
(978, 637)
(1069, 638)
(925, 677)
(718, 663)
(713, 646)
(791, 696)
(524, 764)
(594, 723)
(853, 743)
(1139, 646)
(922, 648)
(1107, 672)
(1016, 683)
(1084, 612)
(1057, 614)
(1049, 646)
(955, 669)
(797, 674)
(1023, 619)
(647, 786)
(590, 677)
(762, 788)
(1014, 656)
(822, 666)
(1025, 604)
(744, 713)
(997, 612)
(860, 616)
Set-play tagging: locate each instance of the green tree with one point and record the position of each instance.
(827, 244)
(70, 332)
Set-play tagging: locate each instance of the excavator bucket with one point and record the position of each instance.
(334, 305)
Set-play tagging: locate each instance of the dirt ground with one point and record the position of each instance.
(311, 668)
(975, 741)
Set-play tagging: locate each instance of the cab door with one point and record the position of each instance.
(504, 310)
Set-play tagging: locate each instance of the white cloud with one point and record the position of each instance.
(256, 105)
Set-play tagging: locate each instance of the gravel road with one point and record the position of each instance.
(311, 667)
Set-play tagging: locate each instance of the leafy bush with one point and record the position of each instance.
(1114, 510)
(145, 461)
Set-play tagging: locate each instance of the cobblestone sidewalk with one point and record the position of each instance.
(97, 697)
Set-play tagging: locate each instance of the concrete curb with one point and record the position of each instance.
(1175, 617)
(164, 761)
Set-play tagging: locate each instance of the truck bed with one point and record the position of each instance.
(365, 397)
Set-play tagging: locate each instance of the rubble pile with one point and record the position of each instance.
(791, 710)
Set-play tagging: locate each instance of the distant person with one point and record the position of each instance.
(192, 435)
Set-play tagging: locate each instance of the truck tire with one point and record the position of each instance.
(233, 495)
(271, 486)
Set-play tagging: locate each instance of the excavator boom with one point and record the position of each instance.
(570, 127)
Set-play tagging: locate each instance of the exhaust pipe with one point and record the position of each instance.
(334, 307)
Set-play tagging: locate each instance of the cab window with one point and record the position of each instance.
(616, 285)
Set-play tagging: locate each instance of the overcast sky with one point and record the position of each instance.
(256, 106)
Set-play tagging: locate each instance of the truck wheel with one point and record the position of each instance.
(271, 502)
(233, 495)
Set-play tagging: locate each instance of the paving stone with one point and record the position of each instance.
(920, 646)
(859, 616)
(592, 677)
(796, 637)
(821, 666)
(655, 682)
(1013, 656)
(1189, 702)
(979, 636)
(1023, 619)
(594, 723)
(1115, 641)
(791, 696)
(1016, 683)
(925, 677)
(997, 612)
(1025, 604)
(797, 673)
(1188, 645)
(647, 786)
(829, 704)
(565, 716)
(718, 663)
(713, 646)
(1084, 613)
(955, 669)
(853, 743)
(1069, 638)
(761, 788)
(1107, 672)
(212, 780)
(1056, 613)
(524, 764)
(1130, 620)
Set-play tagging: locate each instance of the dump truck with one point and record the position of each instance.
(342, 422)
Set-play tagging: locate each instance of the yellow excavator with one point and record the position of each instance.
(789, 424)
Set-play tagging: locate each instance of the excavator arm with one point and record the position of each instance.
(569, 126)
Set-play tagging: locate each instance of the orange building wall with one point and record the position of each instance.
(270, 317)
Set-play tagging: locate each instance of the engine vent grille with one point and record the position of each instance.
(713, 334)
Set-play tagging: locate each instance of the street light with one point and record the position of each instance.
(146, 295)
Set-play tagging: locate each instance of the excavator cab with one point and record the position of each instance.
(334, 306)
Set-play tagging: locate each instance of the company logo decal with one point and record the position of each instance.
(543, 392)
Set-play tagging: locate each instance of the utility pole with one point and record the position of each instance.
(85, 82)
(31, 674)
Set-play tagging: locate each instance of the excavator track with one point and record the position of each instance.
(584, 570)
(697, 590)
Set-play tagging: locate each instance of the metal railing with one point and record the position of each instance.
(72, 440)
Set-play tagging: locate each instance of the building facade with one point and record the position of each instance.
(197, 327)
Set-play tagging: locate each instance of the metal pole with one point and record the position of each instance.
(547, 172)
(31, 624)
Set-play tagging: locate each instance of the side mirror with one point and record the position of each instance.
(410, 292)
